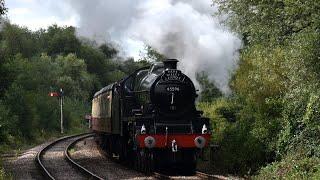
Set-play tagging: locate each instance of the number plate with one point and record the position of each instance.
(173, 89)
(173, 75)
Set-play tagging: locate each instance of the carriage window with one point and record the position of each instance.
(107, 104)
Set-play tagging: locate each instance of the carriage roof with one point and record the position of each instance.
(107, 88)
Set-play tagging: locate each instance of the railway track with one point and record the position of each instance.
(54, 160)
(55, 163)
(198, 175)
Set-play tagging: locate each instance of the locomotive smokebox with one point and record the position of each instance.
(170, 63)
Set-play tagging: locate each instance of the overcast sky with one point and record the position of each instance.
(36, 14)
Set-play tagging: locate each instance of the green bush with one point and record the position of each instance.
(222, 113)
(240, 150)
(292, 168)
(74, 112)
(3, 174)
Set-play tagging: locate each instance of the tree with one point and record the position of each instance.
(19, 40)
(277, 80)
(3, 9)
(209, 92)
(270, 21)
(73, 77)
(152, 55)
(129, 65)
(59, 40)
(108, 50)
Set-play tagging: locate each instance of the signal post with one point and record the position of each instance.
(60, 96)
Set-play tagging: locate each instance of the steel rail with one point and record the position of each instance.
(40, 154)
(81, 168)
(199, 174)
(158, 175)
(209, 176)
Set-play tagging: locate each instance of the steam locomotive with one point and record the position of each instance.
(149, 118)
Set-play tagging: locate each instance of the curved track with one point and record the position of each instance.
(55, 162)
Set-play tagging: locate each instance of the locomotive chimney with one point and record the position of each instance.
(170, 63)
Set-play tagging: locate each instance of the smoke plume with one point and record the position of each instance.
(182, 29)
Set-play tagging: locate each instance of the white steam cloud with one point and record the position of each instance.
(182, 29)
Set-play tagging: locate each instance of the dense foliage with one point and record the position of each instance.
(273, 114)
(32, 64)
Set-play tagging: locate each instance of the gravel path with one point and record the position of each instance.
(88, 155)
(24, 166)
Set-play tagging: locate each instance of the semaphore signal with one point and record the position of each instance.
(60, 95)
(54, 94)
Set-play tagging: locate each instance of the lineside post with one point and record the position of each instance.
(61, 110)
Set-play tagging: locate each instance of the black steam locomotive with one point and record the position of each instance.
(149, 118)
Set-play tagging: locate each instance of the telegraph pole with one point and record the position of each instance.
(61, 110)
